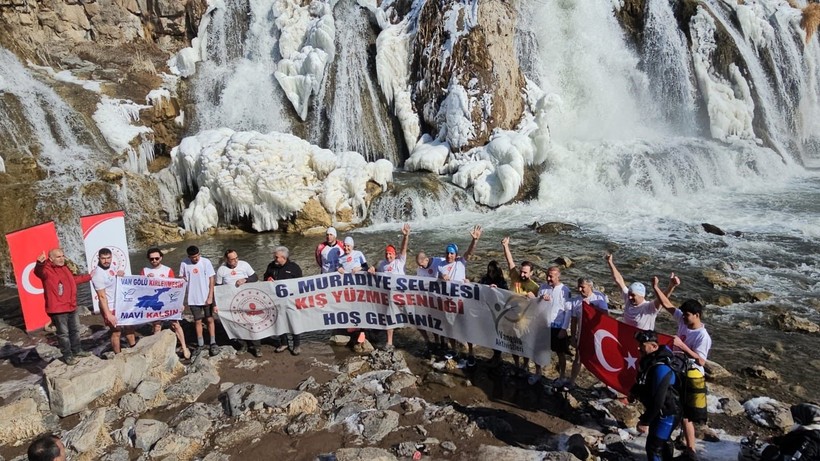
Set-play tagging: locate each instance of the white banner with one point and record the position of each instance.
(105, 230)
(149, 299)
(490, 317)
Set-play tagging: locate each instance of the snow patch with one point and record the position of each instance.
(67, 77)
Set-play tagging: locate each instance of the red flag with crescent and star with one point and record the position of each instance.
(25, 246)
(608, 349)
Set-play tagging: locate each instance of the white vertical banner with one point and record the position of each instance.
(105, 230)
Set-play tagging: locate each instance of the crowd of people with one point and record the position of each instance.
(334, 255)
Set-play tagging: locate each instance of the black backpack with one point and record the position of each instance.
(800, 444)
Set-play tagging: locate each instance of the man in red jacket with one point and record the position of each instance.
(60, 290)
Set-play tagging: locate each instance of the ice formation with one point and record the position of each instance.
(269, 177)
(113, 118)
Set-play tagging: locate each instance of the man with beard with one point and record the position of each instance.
(156, 269)
(104, 280)
(521, 283)
(60, 291)
(237, 273)
(329, 252)
(282, 268)
(393, 264)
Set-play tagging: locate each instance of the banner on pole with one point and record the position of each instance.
(105, 230)
(25, 246)
(489, 317)
(143, 299)
(608, 349)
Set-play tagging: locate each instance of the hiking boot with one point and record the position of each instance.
(72, 360)
(296, 350)
(243, 347)
(256, 352)
(213, 350)
(83, 354)
(281, 348)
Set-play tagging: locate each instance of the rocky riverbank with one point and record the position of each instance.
(148, 404)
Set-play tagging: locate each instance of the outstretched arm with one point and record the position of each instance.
(405, 240)
(505, 243)
(674, 281)
(661, 300)
(616, 275)
(475, 234)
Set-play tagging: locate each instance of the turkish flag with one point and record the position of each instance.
(608, 349)
(25, 246)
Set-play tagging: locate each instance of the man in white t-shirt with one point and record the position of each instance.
(199, 272)
(428, 268)
(454, 269)
(556, 304)
(237, 272)
(587, 297)
(693, 341)
(393, 264)
(638, 312)
(156, 269)
(104, 280)
(329, 252)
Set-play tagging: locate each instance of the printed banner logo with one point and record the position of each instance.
(254, 309)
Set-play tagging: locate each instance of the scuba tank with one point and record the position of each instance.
(695, 394)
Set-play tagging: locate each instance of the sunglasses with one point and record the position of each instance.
(155, 259)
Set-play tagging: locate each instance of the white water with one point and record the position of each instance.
(68, 159)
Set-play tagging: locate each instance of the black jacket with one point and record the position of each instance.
(290, 270)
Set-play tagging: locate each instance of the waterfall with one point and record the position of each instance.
(238, 85)
(417, 198)
(666, 59)
(350, 113)
(234, 86)
(38, 124)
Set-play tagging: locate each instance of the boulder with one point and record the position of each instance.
(629, 414)
(191, 386)
(368, 453)
(506, 453)
(731, 406)
(147, 432)
(235, 434)
(768, 412)
(175, 446)
(91, 435)
(132, 403)
(553, 227)
(440, 378)
(243, 397)
(149, 389)
(563, 261)
(72, 388)
(715, 370)
(789, 322)
(712, 229)
(20, 421)
(376, 424)
(757, 371)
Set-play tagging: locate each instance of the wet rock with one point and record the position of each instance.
(723, 301)
(91, 435)
(768, 412)
(243, 397)
(132, 403)
(789, 322)
(760, 295)
(715, 370)
(731, 406)
(368, 453)
(147, 432)
(374, 425)
(757, 371)
(712, 229)
(553, 227)
(578, 447)
(440, 378)
(718, 279)
(237, 433)
(564, 261)
(19, 421)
